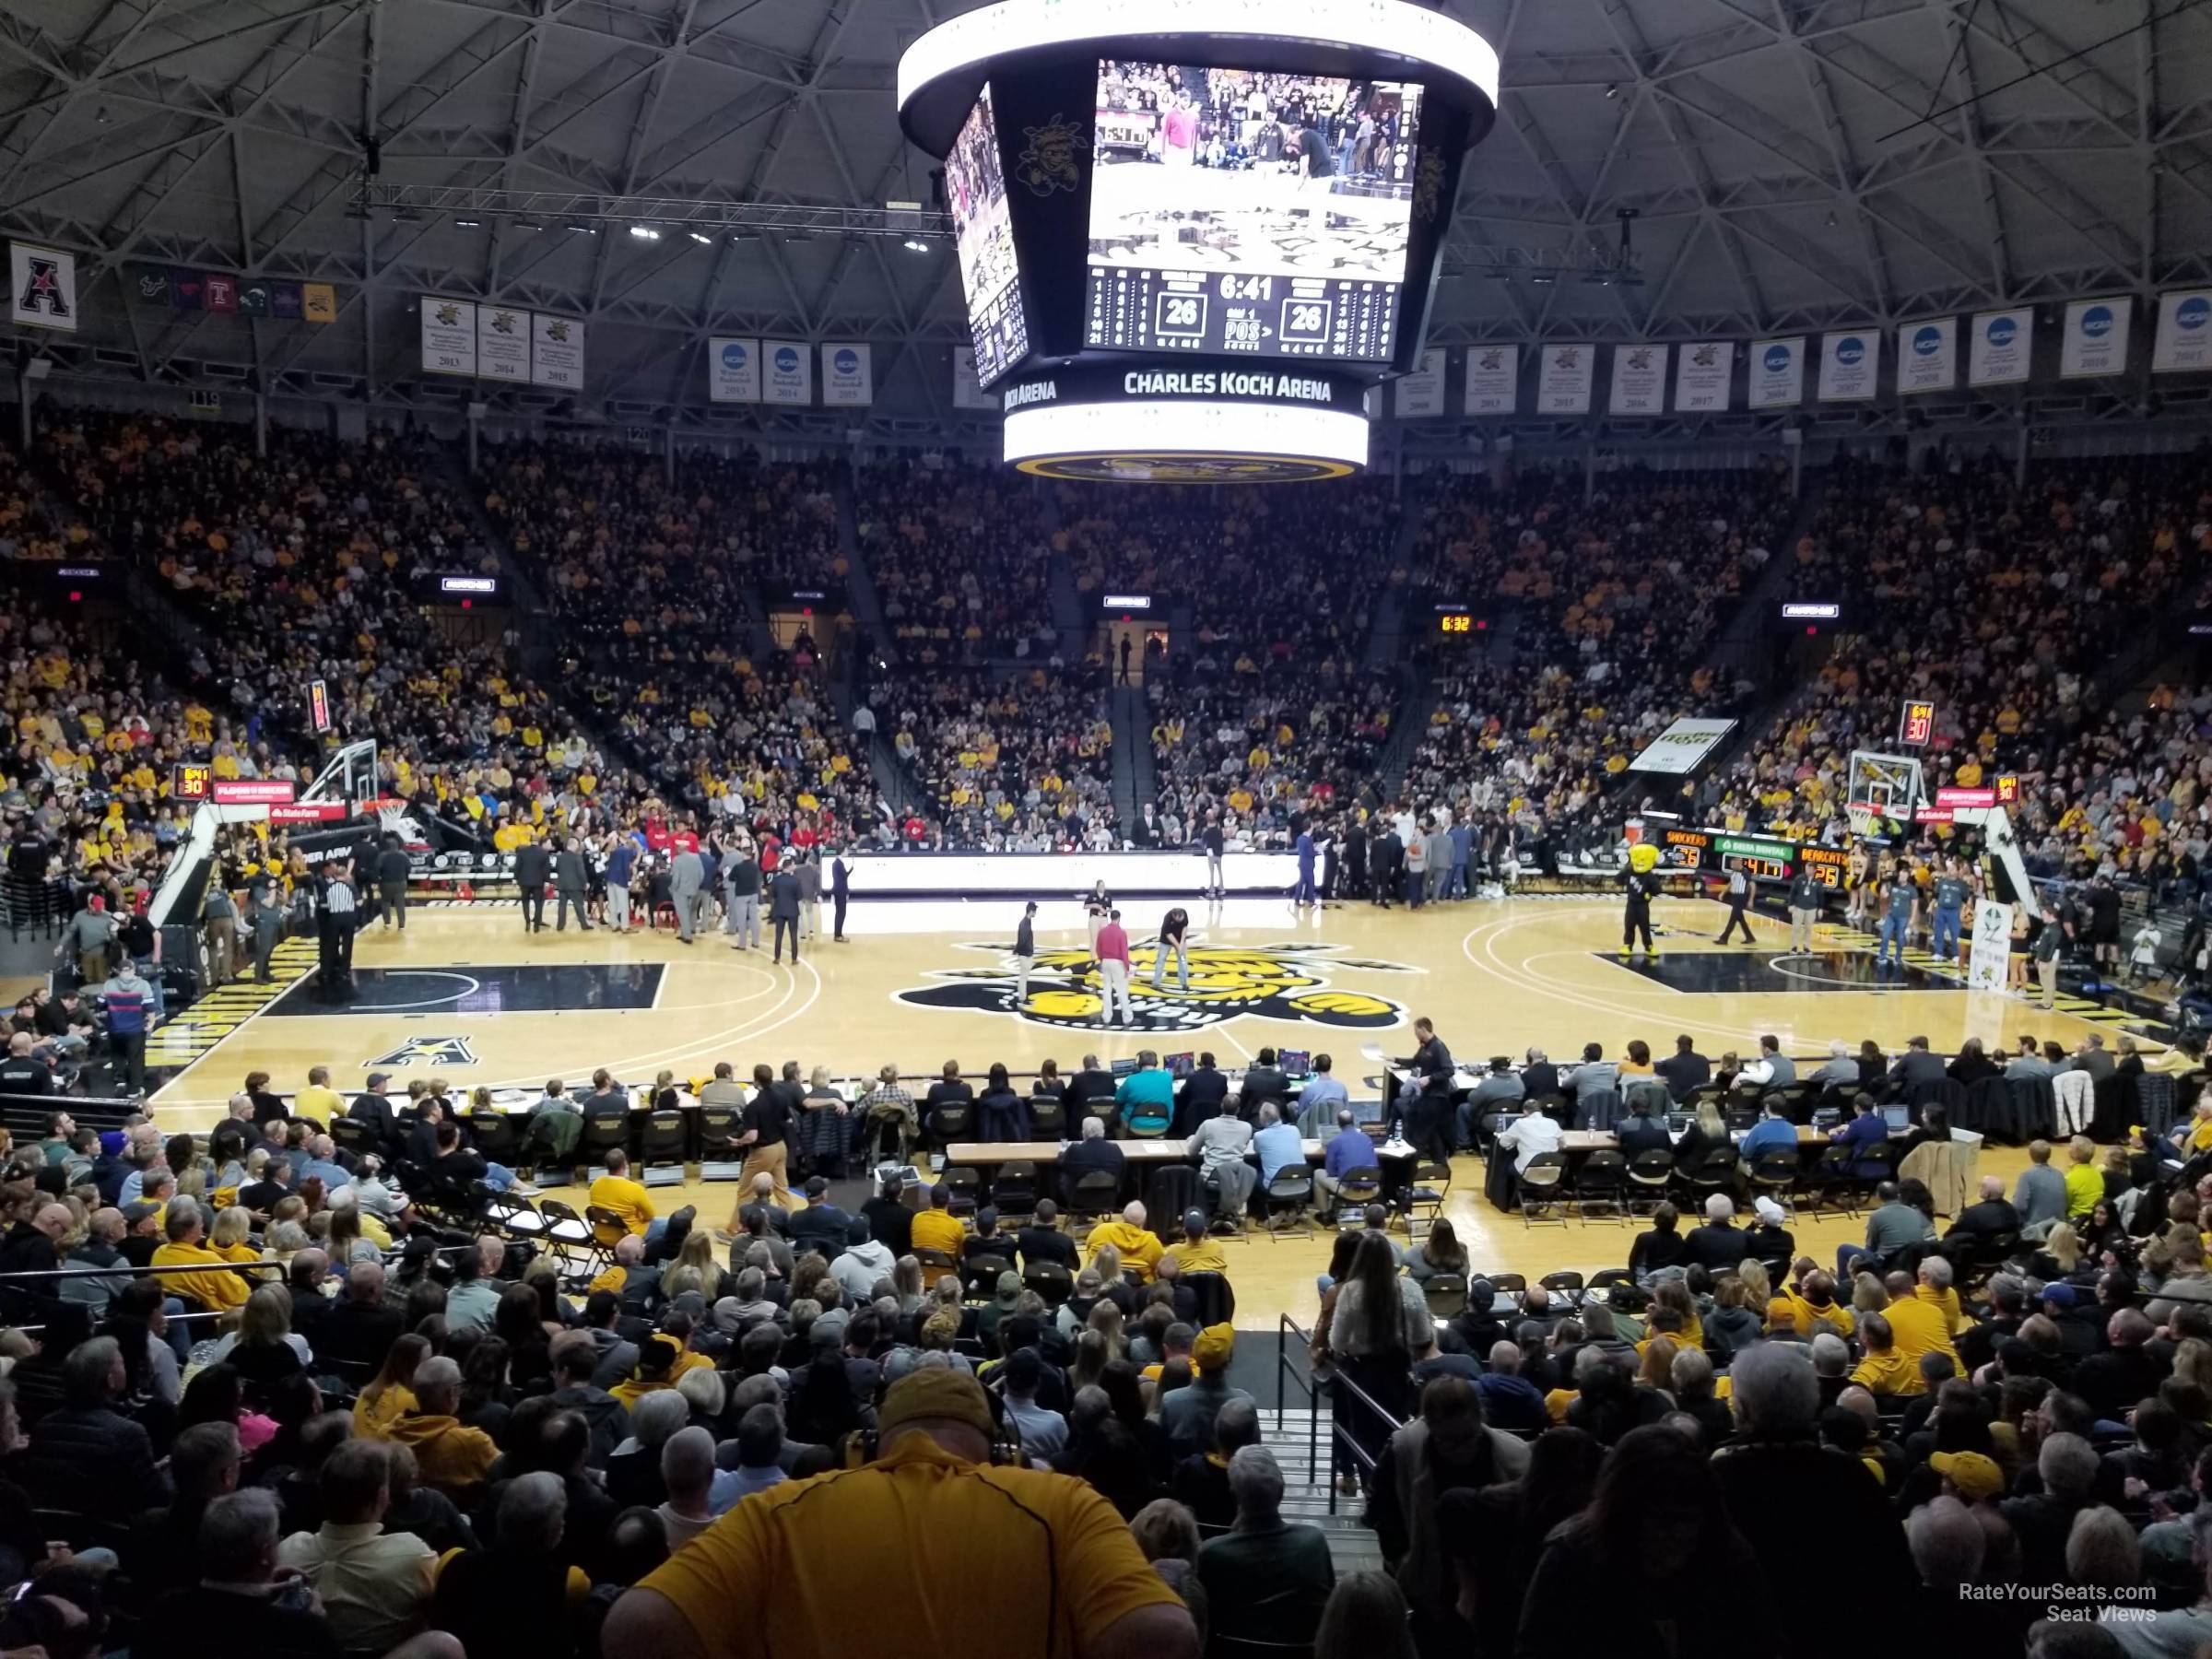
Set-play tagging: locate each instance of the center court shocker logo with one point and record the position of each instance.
(1263, 982)
(430, 1051)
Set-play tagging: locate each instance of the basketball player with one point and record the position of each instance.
(1636, 918)
(1173, 928)
(1742, 890)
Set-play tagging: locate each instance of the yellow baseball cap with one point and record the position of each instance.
(1976, 1476)
(950, 1394)
(1211, 1351)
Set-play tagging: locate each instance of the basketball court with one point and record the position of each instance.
(464, 993)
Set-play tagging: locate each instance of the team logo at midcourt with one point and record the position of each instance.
(1259, 981)
(426, 1051)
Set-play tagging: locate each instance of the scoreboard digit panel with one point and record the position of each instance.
(1827, 865)
(1915, 723)
(1684, 849)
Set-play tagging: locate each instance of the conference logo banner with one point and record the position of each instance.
(788, 372)
(2004, 341)
(966, 387)
(1928, 356)
(2184, 343)
(1777, 379)
(1682, 745)
(1702, 372)
(449, 336)
(2095, 341)
(1421, 396)
(847, 376)
(1563, 378)
(41, 291)
(258, 297)
(556, 352)
(1493, 379)
(502, 343)
(733, 370)
(1638, 380)
(1851, 361)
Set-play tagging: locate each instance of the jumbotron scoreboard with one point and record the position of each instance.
(1150, 197)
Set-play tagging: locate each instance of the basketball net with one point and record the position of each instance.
(1863, 816)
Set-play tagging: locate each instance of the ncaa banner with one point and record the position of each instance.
(967, 389)
(41, 289)
(1682, 745)
(787, 372)
(2095, 341)
(847, 377)
(556, 351)
(1701, 374)
(1928, 356)
(1421, 396)
(1638, 380)
(1563, 378)
(1493, 379)
(1851, 361)
(2184, 343)
(733, 370)
(1777, 377)
(2002, 344)
(449, 335)
(502, 343)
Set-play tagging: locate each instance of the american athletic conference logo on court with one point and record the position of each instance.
(1260, 982)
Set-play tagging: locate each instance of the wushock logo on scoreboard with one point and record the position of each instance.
(1260, 982)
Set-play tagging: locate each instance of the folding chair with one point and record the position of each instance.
(1432, 1182)
(1096, 1193)
(1290, 1203)
(979, 1277)
(1447, 1295)
(1542, 1198)
(1050, 1280)
(1359, 1188)
(568, 1234)
(1566, 1283)
(1599, 1182)
(1774, 1175)
(966, 1186)
(1650, 1172)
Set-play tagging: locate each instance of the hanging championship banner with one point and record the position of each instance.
(1702, 371)
(1563, 378)
(967, 391)
(41, 291)
(502, 343)
(1928, 356)
(1638, 380)
(2001, 346)
(1850, 365)
(847, 375)
(449, 335)
(1777, 378)
(1493, 378)
(2184, 343)
(2095, 341)
(556, 351)
(733, 370)
(790, 372)
(1421, 396)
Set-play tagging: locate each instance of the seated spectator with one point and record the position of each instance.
(374, 1585)
(455, 1460)
(85, 1454)
(1265, 1579)
(237, 1601)
(521, 1594)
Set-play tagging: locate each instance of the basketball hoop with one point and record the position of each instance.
(1863, 816)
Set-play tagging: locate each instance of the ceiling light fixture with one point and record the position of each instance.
(645, 233)
(585, 230)
(700, 237)
(469, 224)
(914, 244)
(1612, 90)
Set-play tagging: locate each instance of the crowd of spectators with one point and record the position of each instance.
(648, 583)
(1264, 752)
(1024, 763)
(958, 553)
(1620, 599)
(2042, 585)
(315, 562)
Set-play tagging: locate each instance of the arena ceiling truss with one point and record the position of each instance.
(1790, 164)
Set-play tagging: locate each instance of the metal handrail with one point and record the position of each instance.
(1311, 1386)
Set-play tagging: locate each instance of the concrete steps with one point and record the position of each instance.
(1301, 1449)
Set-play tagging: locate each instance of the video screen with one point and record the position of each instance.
(1241, 211)
(975, 190)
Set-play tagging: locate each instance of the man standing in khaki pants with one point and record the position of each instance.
(2050, 941)
(1804, 910)
(766, 1129)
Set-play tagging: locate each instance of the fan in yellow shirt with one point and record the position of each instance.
(1139, 1248)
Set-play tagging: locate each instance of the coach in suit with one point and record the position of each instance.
(571, 877)
(686, 875)
(533, 869)
(783, 913)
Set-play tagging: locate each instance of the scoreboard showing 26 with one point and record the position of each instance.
(1233, 315)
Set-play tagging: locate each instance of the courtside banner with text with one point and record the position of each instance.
(1682, 745)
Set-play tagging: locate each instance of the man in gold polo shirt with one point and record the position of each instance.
(1139, 1246)
(1038, 1564)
